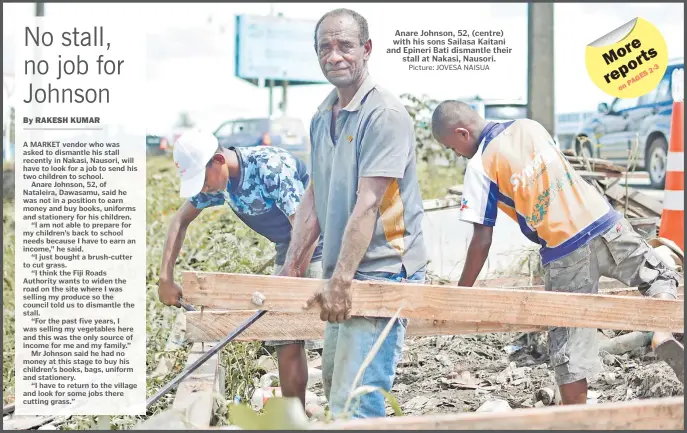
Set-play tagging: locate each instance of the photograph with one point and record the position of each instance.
(357, 216)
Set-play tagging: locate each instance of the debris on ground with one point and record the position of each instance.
(441, 374)
(497, 405)
(545, 395)
(625, 343)
(452, 374)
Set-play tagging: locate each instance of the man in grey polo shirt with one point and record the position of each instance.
(365, 199)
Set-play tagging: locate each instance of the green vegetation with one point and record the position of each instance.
(435, 180)
(8, 302)
(216, 242)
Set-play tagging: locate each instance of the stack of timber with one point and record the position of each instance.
(593, 168)
(606, 177)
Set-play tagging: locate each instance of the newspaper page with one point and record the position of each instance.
(296, 216)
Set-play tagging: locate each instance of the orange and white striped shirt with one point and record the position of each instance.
(518, 169)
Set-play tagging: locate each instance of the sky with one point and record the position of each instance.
(191, 52)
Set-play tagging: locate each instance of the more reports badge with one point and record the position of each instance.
(629, 61)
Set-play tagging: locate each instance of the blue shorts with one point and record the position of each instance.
(347, 344)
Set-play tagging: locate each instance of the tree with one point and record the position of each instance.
(427, 149)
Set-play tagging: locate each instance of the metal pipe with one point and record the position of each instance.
(207, 355)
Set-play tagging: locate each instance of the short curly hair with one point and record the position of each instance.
(363, 32)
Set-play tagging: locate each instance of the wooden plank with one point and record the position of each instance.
(214, 325)
(507, 282)
(653, 414)
(423, 301)
(175, 341)
(536, 281)
(599, 174)
(211, 326)
(632, 291)
(440, 204)
(220, 389)
(622, 291)
(456, 189)
(606, 285)
(195, 394)
(617, 193)
(596, 164)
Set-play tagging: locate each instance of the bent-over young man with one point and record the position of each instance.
(263, 186)
(515, 167)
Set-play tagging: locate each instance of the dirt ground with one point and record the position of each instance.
(451, 374)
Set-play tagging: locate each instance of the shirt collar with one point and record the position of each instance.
(356, 102)
(485, 131)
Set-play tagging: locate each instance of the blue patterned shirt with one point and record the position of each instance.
(267, 192)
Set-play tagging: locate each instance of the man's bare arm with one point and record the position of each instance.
(477, 254)
(306, 260)
(360, 226)
(306, 231)
(175, 239)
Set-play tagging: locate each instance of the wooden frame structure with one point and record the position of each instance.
(226, 300)
(654, 414)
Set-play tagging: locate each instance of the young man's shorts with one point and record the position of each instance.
(619, 253)
(314, 271)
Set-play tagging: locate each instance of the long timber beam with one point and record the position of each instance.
(210, 326)
(654, 414)
(432, 302)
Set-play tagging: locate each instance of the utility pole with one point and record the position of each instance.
(270, 82)
(540, 65)
(285, 86)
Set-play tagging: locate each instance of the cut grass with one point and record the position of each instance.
(216, 242)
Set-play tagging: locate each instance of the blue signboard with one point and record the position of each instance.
(276, 48)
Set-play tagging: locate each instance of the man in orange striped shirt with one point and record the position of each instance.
(516, 167)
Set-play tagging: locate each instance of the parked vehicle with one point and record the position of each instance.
(501, 110)
(156, 145)
(638, 126)
(569, 124)
(286, 132)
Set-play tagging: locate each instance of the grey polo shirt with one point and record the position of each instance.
(374, 136)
